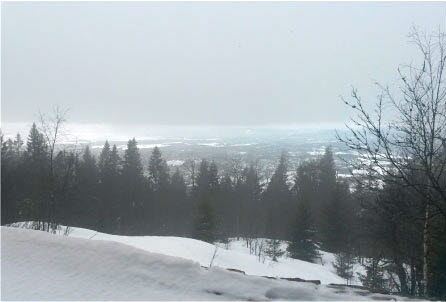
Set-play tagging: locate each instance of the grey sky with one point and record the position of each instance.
(202, 63)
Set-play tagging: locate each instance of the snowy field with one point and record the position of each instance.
(41, 266)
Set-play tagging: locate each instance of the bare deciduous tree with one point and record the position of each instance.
(51, 127)
(404, 138)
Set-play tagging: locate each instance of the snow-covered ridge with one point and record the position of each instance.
(41, 266)
(236, 256)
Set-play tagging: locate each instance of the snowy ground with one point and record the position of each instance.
(236, 256)
(41, 266)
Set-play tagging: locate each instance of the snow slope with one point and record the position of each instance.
(40, 266)
(236, 257)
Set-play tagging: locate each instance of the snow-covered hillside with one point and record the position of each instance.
(40, 266)
(237, 256)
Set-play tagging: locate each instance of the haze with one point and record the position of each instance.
(201, 63)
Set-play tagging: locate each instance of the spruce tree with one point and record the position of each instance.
(205, 222)
(162, 203)
(336, 227)
(180, 216)
(132, 167)
(104, 162)
(133, 187)
(158, 171)
(374, 278)
(277, 198)
(302, 244)
(226, 207)
(13, 174)
(110, 186)
(273, 249)
(87, 174)
(37, 178)
(327, 174)
(344, 265)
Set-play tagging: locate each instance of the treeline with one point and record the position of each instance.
(115, 193)
(380, 226)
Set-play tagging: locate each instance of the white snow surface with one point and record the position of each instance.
(40, 266)
(236, 256)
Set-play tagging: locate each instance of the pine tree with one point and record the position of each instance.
(344, 265)
(162, 204)
(336, 227)
(374, 278)
(37, 179)
(303, 245)
(115, 160)
(132, 166)
(278, 201)
(326, 190)
(327, 171)
(110, 186)
(273, 249)
(248, 199)
(158, 171)
(18, 143)
(226, 207)
(12, 179)
(180, 216)
(133, 187)
(104, 161)
(205, 221)
(87, 174)
(36, 147)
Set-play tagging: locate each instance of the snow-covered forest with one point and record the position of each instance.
(357, 215)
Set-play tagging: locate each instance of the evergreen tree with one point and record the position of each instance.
(110, 186)
(374, 278)
(115, 161)
(336, 228)
(249, 197)
(12, 179)
(37, 176)
(277, 200)
(162, 206)
(344, 265)
(327, 176)
(303, 245)
(132, 166)
(133, 184)
(326, 191)
(273, 249)
(226, 207)
(205, 221)
(104, 161)
(36, 147)
(181, 214)
(158, 171)
(87, 174)
(213, 178)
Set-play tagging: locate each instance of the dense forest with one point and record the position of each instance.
(311, 207)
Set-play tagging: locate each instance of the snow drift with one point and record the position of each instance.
(41, 266)
(237, 256)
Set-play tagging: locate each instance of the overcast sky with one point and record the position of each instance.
(202, 63)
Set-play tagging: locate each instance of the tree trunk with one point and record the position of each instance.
(413, 278)
(401, 272)
(425, 279)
